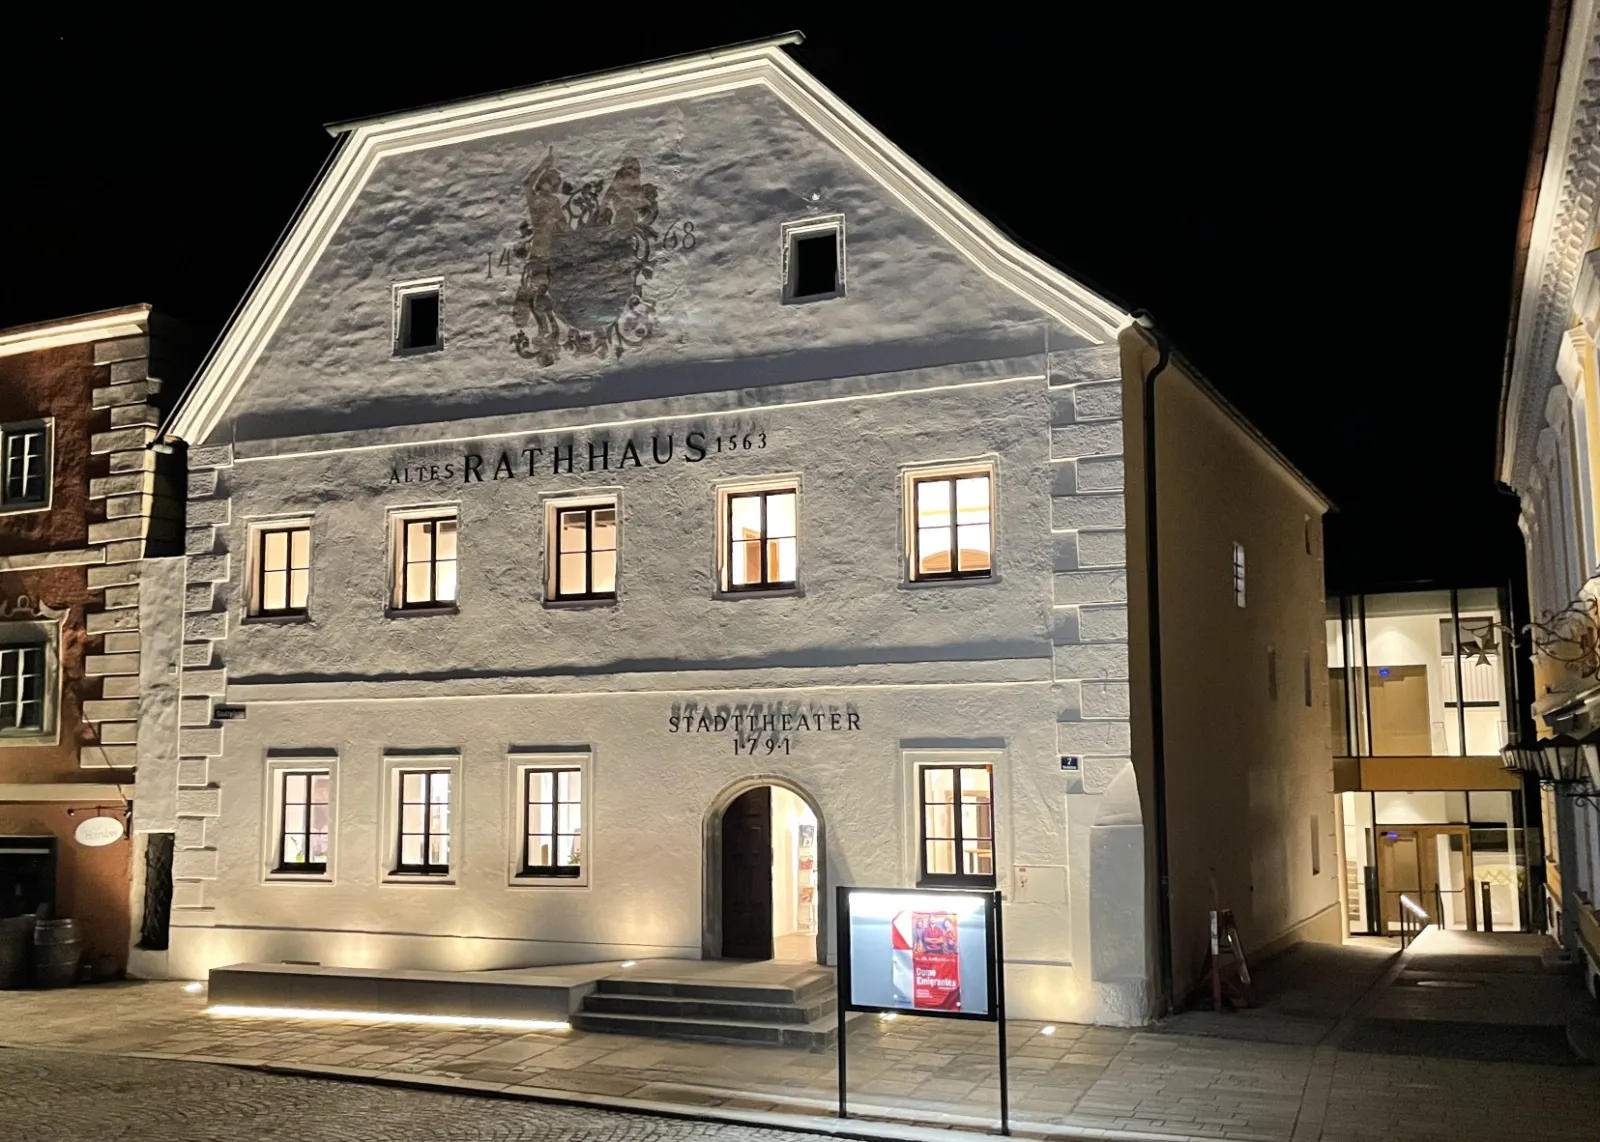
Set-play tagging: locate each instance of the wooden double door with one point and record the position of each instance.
(747, 876)
(1431, 865)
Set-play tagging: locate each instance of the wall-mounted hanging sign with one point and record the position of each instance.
(98, 831)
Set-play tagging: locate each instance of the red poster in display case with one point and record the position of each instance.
(934, 953)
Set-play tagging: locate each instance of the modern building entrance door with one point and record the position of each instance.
(1428, 864)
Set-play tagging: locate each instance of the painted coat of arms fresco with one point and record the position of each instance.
(587, 251)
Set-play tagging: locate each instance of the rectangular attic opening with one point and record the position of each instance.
(813, 261)
(416, 318)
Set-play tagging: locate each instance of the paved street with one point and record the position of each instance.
(1465, 1038)
(55, 1096)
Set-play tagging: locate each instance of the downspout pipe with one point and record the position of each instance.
(1158, 736)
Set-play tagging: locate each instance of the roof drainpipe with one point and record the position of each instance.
(1158, 739)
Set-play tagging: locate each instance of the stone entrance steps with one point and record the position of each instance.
(801, 1013)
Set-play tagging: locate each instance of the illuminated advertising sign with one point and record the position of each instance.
(924, 952)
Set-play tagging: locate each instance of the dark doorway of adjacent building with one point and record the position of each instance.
(27, 875)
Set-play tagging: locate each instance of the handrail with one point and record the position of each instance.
(1413, 919)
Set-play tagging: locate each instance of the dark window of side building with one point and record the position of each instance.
(553, 844)
(24, 458)
(303, 823)
(418, 320)
(957, 826)
(22, 689)
(424, 822)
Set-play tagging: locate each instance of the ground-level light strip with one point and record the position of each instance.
(317, 1013)
(929, 952)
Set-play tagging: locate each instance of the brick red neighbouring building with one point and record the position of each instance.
(69, 588)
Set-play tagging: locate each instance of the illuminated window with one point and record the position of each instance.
(424, 822)
(1238, 574)
(282, 581)
(416, 317)
(424, 560)
(303, 821)
(761, 550)
(25, 461)
(583, 563)
(957, 825)
(813, 259)
(952, 525)
(553, 816)
(23, 697)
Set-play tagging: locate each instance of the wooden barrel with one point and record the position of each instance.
(16, 941)
(56, 952)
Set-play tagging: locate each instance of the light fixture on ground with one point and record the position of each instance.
(313, 1013)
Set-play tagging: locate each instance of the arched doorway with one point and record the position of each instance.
(765, 862)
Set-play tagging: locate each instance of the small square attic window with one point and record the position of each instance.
(416, 317)
(813, 259)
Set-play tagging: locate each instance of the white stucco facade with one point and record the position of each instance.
(949, 349)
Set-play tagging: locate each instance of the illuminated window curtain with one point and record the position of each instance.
(1578, 465)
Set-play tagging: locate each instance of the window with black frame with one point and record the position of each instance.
(952, 532)
(22, 688)
(553, 836)
(303, 822)
(585, 559)
(424, 822)
(425, 561)
(25, 466)
(762, 552)
(283, 570)
(957, 826)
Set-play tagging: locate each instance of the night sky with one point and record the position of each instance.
(1320, 212)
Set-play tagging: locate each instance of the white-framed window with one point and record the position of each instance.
(552, 798)
(280, 567)
(813, 259)
(423, 554)
(955, 827)
(422, 814)
(25, 465)
(950, 522)
(30, 682)
(301, 817)
(419, 316)
(758, 536)
(583, 535)
(1238, 574)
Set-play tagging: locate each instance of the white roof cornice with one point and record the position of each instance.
(1563, 224)
(761, 64)
(108, 324)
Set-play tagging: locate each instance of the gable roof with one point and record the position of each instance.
(761, 63)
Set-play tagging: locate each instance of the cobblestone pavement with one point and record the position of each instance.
(1279, 1073)
(51, 1096)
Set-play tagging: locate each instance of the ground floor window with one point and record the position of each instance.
(303, 822)
(424, 822)
(553, 822)
(957, 825)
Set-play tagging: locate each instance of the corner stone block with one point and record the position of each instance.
(1093, 737)
(133, 369)
(101, 665)
(1071, 441)
(120, 598)
(197, 653)
(132, 392)
(1100, 475)
(1107, 586)
(200, 802)
(120, 686)
(202, 483)
(1098, 402)
(1092, 661)
(200, 541)
(208, 568)
(1070, 512)
(1062, 408)
(125, 551)
(129, 415)
(202, 512)
(122, 349)
(1105, 699)
(192, 772)
(194, 711)
(187, 894)
(1095, 363)
(1103, 624)
(119, 733)
(1064, 632)
(99, 622)
(1100, 771)
(117, 709)
(121, 440)
(121, 507)
(194, 864)
(1065, 545)
(204, 742)
(108, 756)
(122, 642)
(1102, 549)
(220, 456)
(127, 484)
(114, 575)
(211, 683)
(198, 598)
(190, 833)
(139, 460)
(213, 626)
(131, 527)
